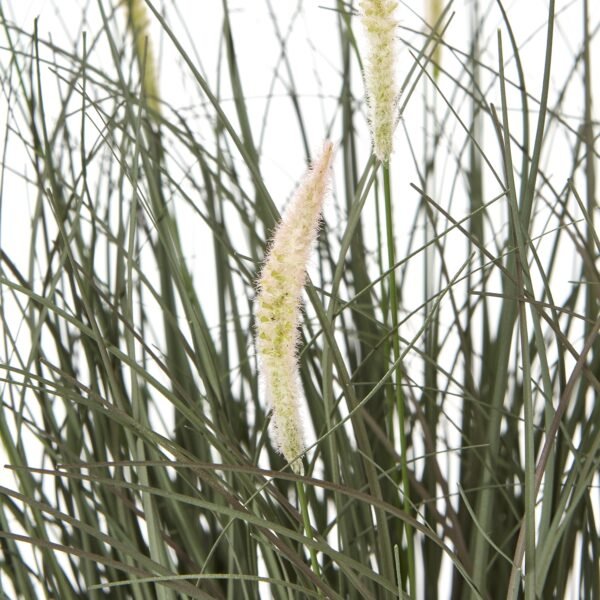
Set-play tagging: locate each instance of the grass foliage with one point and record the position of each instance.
(449, 356)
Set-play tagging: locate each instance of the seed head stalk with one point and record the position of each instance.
(399, 396)
(278, 313)
(378, 19)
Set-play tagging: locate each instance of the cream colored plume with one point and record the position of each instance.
(278, 308)
(138, 23)
(379, 24)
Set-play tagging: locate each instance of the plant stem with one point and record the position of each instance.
(398, 376)
(308, 530)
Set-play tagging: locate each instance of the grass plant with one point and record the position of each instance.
(448, 347)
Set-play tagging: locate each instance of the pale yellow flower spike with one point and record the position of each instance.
(380, 77)
(138, 23)
(434, 11)
(278, 308)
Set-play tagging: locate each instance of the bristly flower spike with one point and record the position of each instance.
(278, 308)
(380, 24)
(434, 11)
(138, 23)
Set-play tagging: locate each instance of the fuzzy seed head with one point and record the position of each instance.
(138, 23)
(278, 308)
(380, 28)
(434, 11)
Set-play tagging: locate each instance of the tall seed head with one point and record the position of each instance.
(138, 23)
(278, 308)
(434, 11)
(380, 79)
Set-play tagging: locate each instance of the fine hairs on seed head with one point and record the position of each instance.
(379, 25)
(278, 308)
